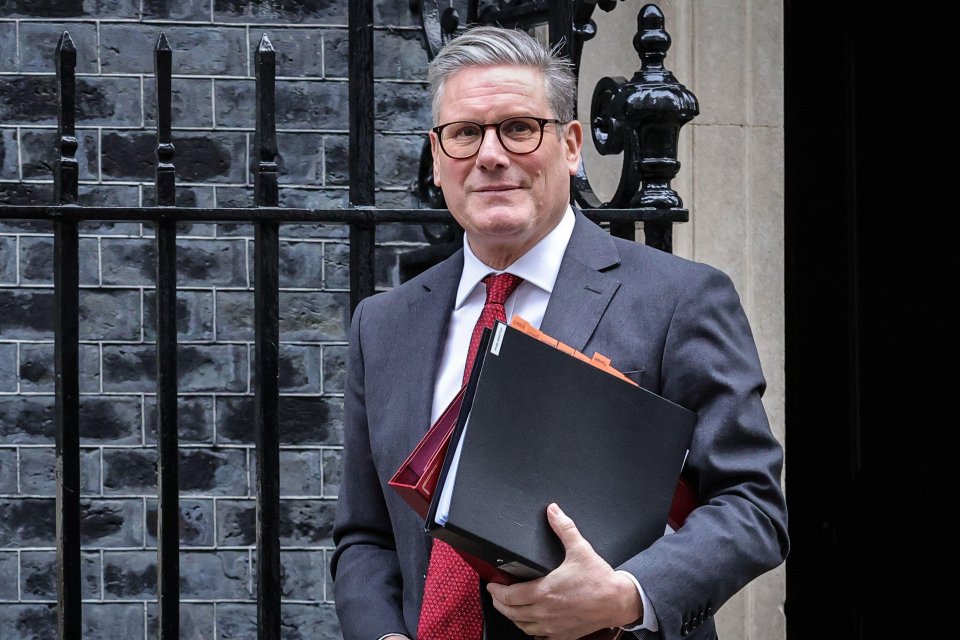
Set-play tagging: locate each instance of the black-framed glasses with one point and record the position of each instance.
(462, 139)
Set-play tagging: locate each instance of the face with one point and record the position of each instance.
(506, 202)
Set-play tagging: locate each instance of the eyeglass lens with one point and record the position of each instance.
(517, 135)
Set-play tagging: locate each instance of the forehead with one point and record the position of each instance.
(488, 93)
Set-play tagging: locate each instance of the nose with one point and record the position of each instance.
(492, 155)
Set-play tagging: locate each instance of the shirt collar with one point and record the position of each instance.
(539, 266)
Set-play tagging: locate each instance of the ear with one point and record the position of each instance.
(573, 141)
(437, 153)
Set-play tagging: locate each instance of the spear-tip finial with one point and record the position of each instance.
(162, 43)
(265, 45)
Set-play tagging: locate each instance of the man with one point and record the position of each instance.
(504, 148)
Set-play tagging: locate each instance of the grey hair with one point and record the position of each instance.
(490, 46)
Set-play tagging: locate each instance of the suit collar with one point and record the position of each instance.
(584, 285)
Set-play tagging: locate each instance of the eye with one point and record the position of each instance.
(462, 131)
(519, 127)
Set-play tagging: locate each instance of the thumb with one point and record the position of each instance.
(564, 527)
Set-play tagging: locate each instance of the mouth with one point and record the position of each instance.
(495, 188)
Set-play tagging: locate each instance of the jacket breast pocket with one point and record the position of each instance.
(636, 375)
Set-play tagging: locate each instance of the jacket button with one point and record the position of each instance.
(709, 608)
(685, 628)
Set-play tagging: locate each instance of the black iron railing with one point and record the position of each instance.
(645, 132)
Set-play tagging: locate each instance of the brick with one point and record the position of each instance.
(111, 523)
(26, 419)
(129, 48)
(38, 471)
(303, 420)
(194, 10)
(398, 159)
(28, 621)
(234, 197)
(38, 45)
(336, 267)
(300, 160)
(313, 315)
(191, 103)
(220, 472)
(201, 156)
(295, 198)
(36, 260)
(310, 622)
(401, 107)
(301, 263)
(71, 8)
(236, 621)
(281, 11)
(9, 161)
(8, 480)
(105, 621)
(194, 419)
(109, 314)
(8, 568)
(27, 522)
(300, 473)
(8, 46)
(332, 469)
(194, 315)
(129, 575)
(300, 104)
(186, 196)
(128, 261)
(37, 368)
(299, 368)
(26, 314)
(399, 55)
(236, 522)
(38, 575)
(200, 368)
(307, 522)
(336, 53)
(110, 420)
(221, 574)
(212, 262)
(196, 621)
(196, 522)
(395, 13)
(301, 575)
(8, 367)
(299, 51)
(234, 315)
(29, 100)
(129, 471)
(18, 193)
(334, 368)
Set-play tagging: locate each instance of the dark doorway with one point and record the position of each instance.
(869, 288)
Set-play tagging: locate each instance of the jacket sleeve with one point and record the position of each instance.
(711, 366)
(364, 566)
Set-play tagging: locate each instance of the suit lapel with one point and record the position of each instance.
(582, 291)
(426, 321)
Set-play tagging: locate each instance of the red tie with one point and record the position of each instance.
(451, 597)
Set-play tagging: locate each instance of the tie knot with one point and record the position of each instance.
(500, 286)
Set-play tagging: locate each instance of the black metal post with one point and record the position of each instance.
(267, 331)
(66, 352)
(168, 508)
(362, 174)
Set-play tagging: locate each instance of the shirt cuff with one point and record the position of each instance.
(649, 621)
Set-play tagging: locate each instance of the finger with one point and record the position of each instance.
(563, 526)
(516, 595)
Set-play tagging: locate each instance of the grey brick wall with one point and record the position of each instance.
(213, 44)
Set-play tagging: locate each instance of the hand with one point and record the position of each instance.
(580, 596)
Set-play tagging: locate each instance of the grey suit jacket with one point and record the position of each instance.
(675, 326)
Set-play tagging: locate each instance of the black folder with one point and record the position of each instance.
(538, 425)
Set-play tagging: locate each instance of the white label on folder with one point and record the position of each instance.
(498, 338)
